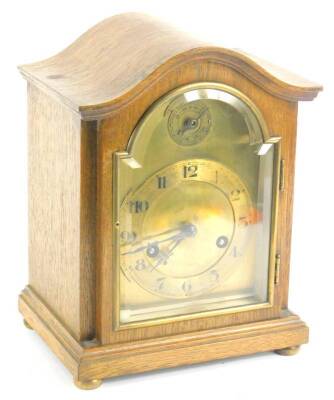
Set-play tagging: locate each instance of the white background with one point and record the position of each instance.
(297, 35)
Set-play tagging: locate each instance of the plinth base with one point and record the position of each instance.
(90, 365)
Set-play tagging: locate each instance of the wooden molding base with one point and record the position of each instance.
(90, 362)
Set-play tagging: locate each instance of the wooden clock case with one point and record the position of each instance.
(84, 103)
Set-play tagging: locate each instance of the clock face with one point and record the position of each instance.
(187, 222)
(194, 208)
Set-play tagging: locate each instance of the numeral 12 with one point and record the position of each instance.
(190, 171)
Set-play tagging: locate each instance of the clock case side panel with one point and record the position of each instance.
(286, 122)
(62, 198)
(113, 136)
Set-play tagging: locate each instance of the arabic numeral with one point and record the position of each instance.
(235, 252)
(190, 171)
(128, 237)
(160, 283)
(138, 206)
(162, 182)
(214, 275)
(186, 287)
(244, 221)
(235, 194)
(140, 265)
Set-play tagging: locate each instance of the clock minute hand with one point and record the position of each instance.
(163, 233)
(144, 247)
(137, 250)
(186, 230)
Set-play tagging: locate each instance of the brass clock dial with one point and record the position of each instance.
(194, 207)
(187, 222)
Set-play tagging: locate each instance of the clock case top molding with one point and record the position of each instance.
(83, 105)
(123, 56)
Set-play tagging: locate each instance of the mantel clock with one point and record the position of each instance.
(160, 192)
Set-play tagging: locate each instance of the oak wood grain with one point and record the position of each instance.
(62, 191)
(42, 320)
(112, 62)
(100, 362)
(54, 205)
(87, 292)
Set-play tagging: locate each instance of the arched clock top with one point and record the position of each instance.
(114, 61)
(193, 97)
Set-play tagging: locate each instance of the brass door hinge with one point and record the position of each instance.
(281, 175)
(277, 268)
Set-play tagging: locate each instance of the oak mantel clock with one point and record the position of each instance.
(160, 190)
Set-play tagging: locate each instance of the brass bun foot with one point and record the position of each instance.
(88, 385)
(288, 351)
(27, 325)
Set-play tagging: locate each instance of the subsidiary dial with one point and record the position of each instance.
(189, 124)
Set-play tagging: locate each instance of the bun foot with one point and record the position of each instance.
(27, 325)
(288, 351)
(88, 385)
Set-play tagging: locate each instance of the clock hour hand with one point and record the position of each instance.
(178, 229)
(152, 249)
(137, 250)
(152, 245)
